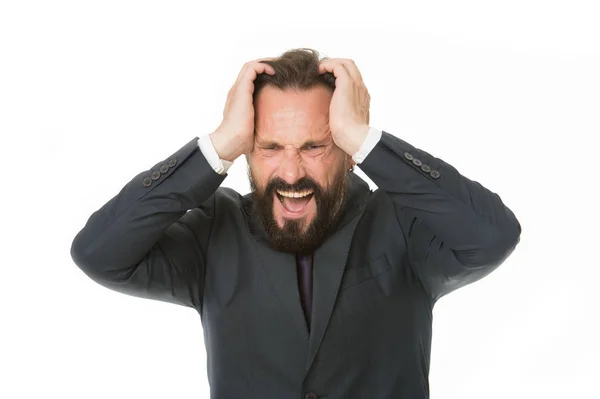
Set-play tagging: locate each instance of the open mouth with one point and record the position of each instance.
(294, 202)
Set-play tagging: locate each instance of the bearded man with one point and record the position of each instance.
(312, 285)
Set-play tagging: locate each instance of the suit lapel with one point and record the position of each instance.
(328, 267)
(280, 270)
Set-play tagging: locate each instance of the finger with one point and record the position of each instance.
(250, 71)
(269, 67)
(253, 68)
(339, 71)
(349, 64)
(353, 69)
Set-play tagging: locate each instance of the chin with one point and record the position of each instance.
(305, 220)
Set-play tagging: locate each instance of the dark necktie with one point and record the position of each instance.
(305, 285)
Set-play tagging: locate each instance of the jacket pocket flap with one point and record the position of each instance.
(372, 269)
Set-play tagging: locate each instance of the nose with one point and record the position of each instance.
(291, 168)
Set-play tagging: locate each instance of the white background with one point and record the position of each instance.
(93, 92)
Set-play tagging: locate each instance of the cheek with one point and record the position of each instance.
(325, 168)
(262, 172)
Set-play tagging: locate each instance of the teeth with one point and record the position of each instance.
(294, 194)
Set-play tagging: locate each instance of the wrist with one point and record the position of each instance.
(352, 139)
(222, 144)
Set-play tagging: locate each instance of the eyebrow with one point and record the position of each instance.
(271, 143)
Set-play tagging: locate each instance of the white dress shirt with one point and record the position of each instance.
(221, 165)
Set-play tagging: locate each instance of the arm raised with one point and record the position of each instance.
(456, 230)
(144, 242)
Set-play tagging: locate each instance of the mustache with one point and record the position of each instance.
(303, 184)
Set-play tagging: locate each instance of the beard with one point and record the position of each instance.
(292, 238)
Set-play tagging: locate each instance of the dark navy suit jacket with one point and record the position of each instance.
(173, 234)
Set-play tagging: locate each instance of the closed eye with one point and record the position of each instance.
(307, 147)
(271, 147)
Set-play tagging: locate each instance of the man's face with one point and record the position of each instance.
(298, 176)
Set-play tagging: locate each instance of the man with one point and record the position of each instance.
(312, 285)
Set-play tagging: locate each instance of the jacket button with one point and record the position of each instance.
(417, 162)
(426, 168)
(147, 182)
(311, 395)
(408, 156)
(164, 169)
(435, 174)
(172, 162)
(155, 175)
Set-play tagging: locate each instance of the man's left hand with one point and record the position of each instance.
(349, 108)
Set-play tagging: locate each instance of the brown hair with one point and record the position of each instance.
(296, 69)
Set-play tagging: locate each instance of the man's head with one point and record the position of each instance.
(294, 154)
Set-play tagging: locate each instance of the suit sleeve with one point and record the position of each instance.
(456, 230)
(144, 242)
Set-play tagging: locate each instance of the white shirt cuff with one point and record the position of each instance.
(370, 142)
(208, 150)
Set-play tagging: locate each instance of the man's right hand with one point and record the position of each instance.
(235, 134)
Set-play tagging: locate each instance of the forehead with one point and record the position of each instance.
(292, 117)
